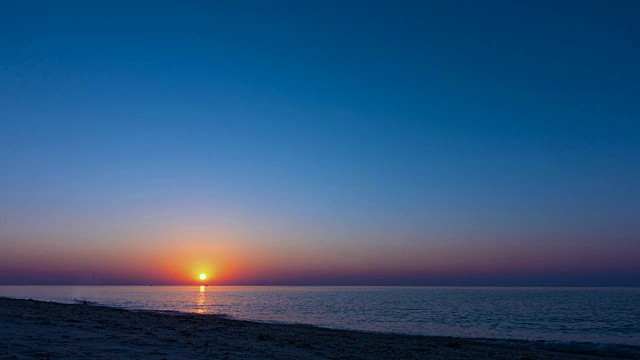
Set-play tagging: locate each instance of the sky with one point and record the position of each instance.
(320, 143)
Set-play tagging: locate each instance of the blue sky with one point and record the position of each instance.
(419, 124)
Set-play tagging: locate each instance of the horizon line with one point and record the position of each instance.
(339, 285)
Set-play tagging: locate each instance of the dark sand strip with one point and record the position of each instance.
(44, 330)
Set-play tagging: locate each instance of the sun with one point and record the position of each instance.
(203, 276)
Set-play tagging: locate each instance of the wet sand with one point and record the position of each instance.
(44, 330)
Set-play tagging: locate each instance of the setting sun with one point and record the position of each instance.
(203, 276)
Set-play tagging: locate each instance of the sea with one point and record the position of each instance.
(602, 316)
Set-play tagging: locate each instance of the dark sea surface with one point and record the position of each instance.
(600, 315)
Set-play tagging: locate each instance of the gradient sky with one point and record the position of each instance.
(346, 142)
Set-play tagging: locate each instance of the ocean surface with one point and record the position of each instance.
(600, 315)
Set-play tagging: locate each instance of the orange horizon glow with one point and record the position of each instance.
(227, 262)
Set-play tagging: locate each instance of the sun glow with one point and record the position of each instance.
(203, 276)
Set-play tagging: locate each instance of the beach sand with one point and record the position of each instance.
(44, 330)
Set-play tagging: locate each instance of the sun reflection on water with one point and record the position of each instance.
(200, 304)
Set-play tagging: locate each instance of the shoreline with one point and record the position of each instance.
(39, 329)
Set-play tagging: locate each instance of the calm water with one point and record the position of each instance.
(562, 314)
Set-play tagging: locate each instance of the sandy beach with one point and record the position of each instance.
(43, 330)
